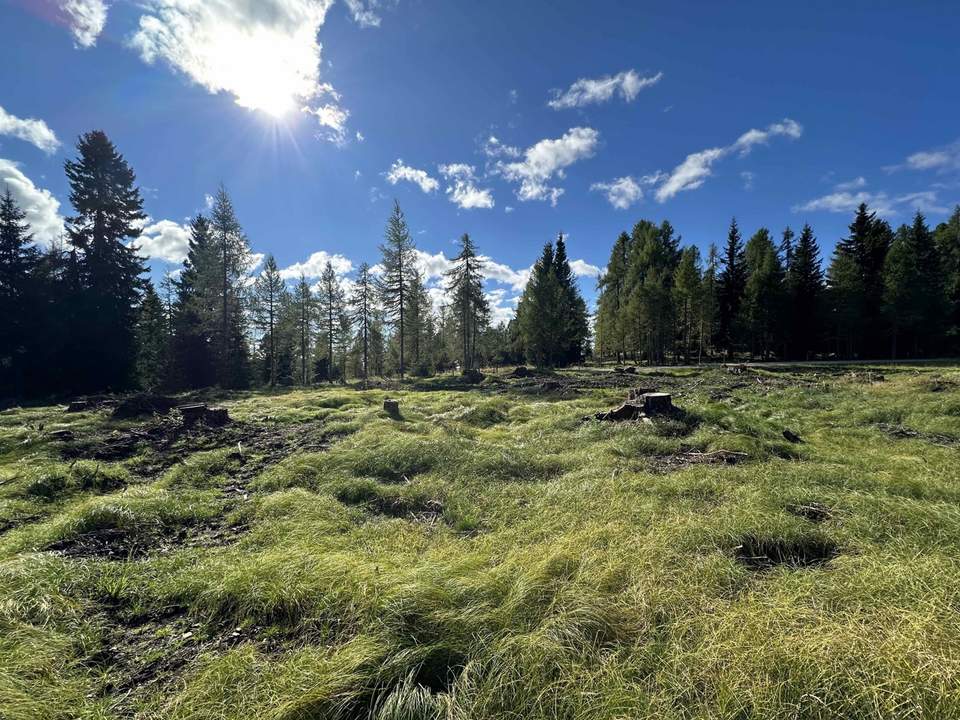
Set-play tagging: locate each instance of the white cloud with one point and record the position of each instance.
(546, 159)
(164, 240)
(398, 171)
(882, 203)
(621, 192)
(264, 53)
(502, 306)
(432, 265)
(462, 190)
(313, 266)
(41, 207)
(786, 127)
(855, 184)
(698, 166)
(581, 268)
(690, 174)
(364, 13)
(501, 273)
(36, 132)
(87, 19)
(943, 159)
(360, 136)
(493, 148)
(508, 209)
(586, 91)
(748, 178)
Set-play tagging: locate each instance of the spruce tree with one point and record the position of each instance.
(731, 285)
(763, 293)
(20, 329)
(709, 301)
(195, 319)
(903, 294)
(152, 342)
(804, 283)
(469, 306)
(537, 318)
(394, 285)
(108, 216)
(947, 237)
(232, 265)
(933, 298)
(572, 310)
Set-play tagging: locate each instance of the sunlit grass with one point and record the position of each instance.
(491, 555)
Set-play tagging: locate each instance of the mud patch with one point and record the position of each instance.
(123, 545)
(815, 512)
(670, 463)
(759, 553)
(901, 432)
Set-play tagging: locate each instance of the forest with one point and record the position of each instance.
(84, 317)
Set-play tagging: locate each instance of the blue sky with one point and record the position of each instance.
(316, 115)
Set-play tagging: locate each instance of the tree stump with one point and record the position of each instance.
(655, 403)
(78, 406)
(636, 394)
(392, 408)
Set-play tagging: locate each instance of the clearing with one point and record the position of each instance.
(784, 544)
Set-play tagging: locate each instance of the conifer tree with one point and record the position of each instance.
(933, 301)
(469, 306)
(194, 311)
(687, 293)
(304, 306)
(947, 238)
(731, 285)
(763, 293)
(572, 311)
(108, 215)
(233, 263)
(612, 301)
(903, 295)
(152, 343)
(20, 329)
(331, 303)
(786, 248)
(709, 303)
(362, 314)
(537, 319)
(398, 263)
(268, 296)
(804, 285)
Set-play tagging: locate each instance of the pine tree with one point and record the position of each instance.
(398, 264)
(268, 295)
(331, 303)
(20, 327)
(469, 306)
(804, 284)
(108, 213)
(363, 310)
(233, 261)
(152, 344)
(731, 285)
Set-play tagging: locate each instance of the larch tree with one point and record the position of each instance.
(304, 312)
(331, 302)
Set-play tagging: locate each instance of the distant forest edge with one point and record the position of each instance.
(81, 317)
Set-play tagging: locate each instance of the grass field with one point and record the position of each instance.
(491, 554)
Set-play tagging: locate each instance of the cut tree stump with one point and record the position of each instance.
(392, 408)
(655, 403)
(200, 413)
(636, 394)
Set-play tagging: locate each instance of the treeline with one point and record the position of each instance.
(885, 294)
(82, 317)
